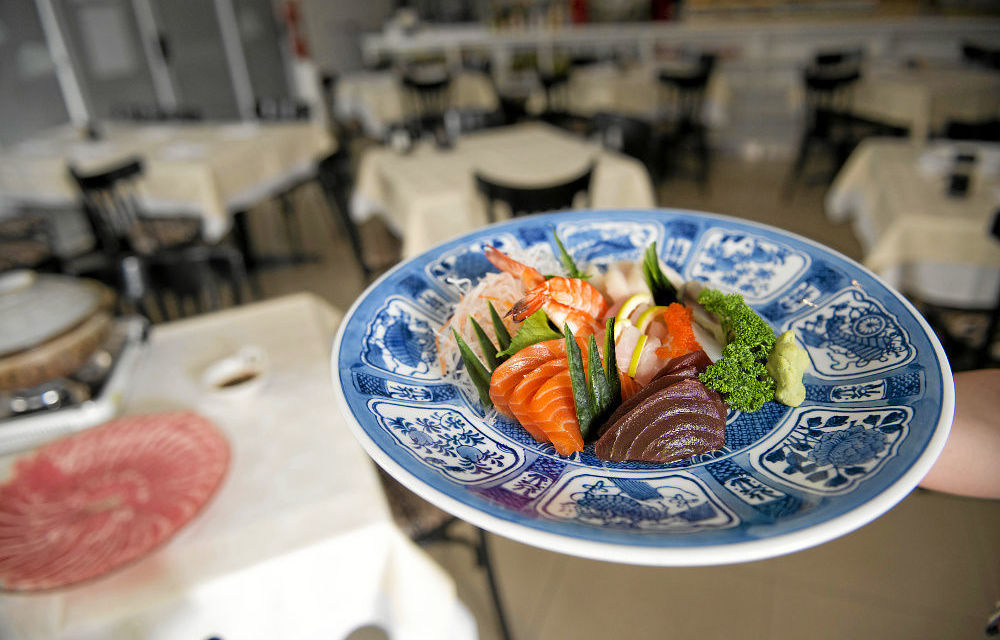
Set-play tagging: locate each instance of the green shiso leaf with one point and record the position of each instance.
(534, 329)
(477, 371)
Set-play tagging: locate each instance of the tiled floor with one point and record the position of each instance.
(930, 568)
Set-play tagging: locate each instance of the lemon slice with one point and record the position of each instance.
(633, 303)
(647, 316)
(633, 364)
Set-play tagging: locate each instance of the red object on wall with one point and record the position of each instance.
(293, 22)
(87, 504)
(578, 11)
(662, 10)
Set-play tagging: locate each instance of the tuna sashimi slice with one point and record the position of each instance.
(674, 419)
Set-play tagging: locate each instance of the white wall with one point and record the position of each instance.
(30, 98)
(334, 28)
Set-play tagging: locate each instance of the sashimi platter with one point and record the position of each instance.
(650, 387)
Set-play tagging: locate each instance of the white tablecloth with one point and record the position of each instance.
(429, 195)
(378, 99)
(924, 242)
(207, 169)
(925, 99)
(298, 542)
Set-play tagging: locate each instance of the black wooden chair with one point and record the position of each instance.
(685, 131)
(139, 255)
(524, 200)
(271, 109)
(986, 130)
(335, 177)
(979, 56)
(832, 60)
(629, 135)
(192, 280)
(428, 98)
(829, 125)
(555, 84)
(111, 207)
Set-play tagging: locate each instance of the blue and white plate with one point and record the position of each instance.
(879, 402)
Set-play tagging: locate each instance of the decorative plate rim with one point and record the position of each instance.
(680, 556)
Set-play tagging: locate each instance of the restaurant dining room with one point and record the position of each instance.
(499, 319)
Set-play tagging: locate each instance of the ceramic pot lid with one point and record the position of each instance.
(35, 308)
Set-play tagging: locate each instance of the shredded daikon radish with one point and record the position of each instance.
(503, 290)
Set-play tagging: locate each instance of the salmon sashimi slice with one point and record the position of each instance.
(554, 411)
(511, 372)
(519, 402)
(629, 386)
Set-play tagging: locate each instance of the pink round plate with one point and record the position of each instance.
(84, 505)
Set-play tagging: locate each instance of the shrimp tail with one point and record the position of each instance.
(529, 276)
(527, 306)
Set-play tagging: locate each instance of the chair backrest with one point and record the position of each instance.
(988, 130)
(685, 89)
(534, 199)
(981, 56)
(193, 279)
(829, 91)
(427, 97)
(556, 86)
(839, 58)
(583, 60)
(625, 134)
(111, 206)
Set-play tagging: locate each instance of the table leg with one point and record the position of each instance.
(241, 236)
(486, 561)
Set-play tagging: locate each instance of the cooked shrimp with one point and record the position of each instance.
(565, 300)
(582, 324)
(529, 276)
(572, 292)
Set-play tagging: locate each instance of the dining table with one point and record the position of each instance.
(427, 194)
(206, 169)
(923, 98)
(298, 542)
(378, 99)
(917, 230)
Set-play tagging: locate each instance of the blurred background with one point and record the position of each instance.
(164, 161)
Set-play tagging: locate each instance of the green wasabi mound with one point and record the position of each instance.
(786, 364)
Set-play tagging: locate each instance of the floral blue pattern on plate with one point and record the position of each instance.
(879, 402)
